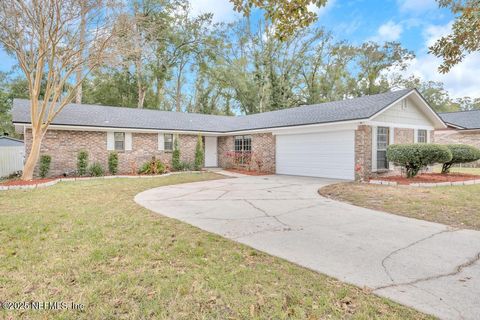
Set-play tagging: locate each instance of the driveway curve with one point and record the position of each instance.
(425, 265)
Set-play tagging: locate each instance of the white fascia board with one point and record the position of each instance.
(333, 126)
(397, 125)
(454, 126)
(109, 129)
(285, 130)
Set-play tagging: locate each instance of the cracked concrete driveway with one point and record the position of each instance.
(425, 265)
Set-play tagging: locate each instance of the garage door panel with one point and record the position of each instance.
(325, 154)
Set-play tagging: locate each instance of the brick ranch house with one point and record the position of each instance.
(342, 139)
(462, 127)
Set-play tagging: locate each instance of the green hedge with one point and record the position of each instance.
(413, 157)
(113, 163)
(461, 153)
(44, 168)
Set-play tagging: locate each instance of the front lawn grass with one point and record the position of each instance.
(88, 242)
(466, 170)
(457, 206)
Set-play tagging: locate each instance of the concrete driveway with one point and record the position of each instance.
(425, 265)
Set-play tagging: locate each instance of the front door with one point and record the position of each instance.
(211, 152)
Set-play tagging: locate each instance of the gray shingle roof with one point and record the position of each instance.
(102, 116)
(464, 119)
(10, 142)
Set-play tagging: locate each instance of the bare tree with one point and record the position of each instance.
(45, 38)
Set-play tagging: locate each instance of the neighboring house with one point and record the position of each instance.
(334, 140)
(12, 155)
(463, 128)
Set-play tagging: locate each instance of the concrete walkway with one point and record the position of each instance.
(425, 265)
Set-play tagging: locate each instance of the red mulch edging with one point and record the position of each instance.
(249, 173)
(26, 182)
(431, 178)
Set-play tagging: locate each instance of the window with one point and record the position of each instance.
(422, 136)
(243, 145)
(168, 142)
(119, 138)
(383, 136)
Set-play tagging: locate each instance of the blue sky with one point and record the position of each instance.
(414, 23)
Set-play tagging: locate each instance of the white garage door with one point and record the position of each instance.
(325, 154)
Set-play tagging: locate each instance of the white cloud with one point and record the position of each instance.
(389, 31)
(462, 80)
(222, 9)
(416, 6)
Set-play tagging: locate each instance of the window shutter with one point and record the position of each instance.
(128, 141)
(161, 142)
(415, 136)
(110, 141)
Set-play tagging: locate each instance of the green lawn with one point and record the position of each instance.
(88, 242)
(459, 170)
(456, 206)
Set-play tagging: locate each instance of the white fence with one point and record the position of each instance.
(11, 160)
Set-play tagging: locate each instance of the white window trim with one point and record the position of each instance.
(173, 141)
(391, 140)
(374, 148)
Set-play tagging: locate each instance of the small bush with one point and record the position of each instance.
(113, 163)
(176, 164)
(199, 154)
(82, 163)
(45, 161)
(153, 166)
(461, 153)
(187, 166)
(413, 157)
(96, 170)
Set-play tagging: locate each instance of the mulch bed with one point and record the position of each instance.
(431, 178)
(26, 183)
(250, 173)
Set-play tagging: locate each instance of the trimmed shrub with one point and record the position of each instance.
(413, 157)
(461, 153)
(96, 170)
(113, 163)
(199, 156)
(82, 163)
(153, 166)
(176, 164)
(44, 168)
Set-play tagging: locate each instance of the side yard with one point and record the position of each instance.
(456, 206)
(88, 242)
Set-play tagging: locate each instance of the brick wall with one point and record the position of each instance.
(363, 151)
(459, 137)
(64, 146)
(263, 146)
(402, 136)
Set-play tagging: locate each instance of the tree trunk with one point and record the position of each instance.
(32, 157)
(81, 44)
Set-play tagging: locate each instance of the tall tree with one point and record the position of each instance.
(44, 38)
(374, 61)
(287, 16)
(465, 36)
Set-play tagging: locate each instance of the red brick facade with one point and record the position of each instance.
(263, 149)
(363, 152)
(63, 146)
(453, 136)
